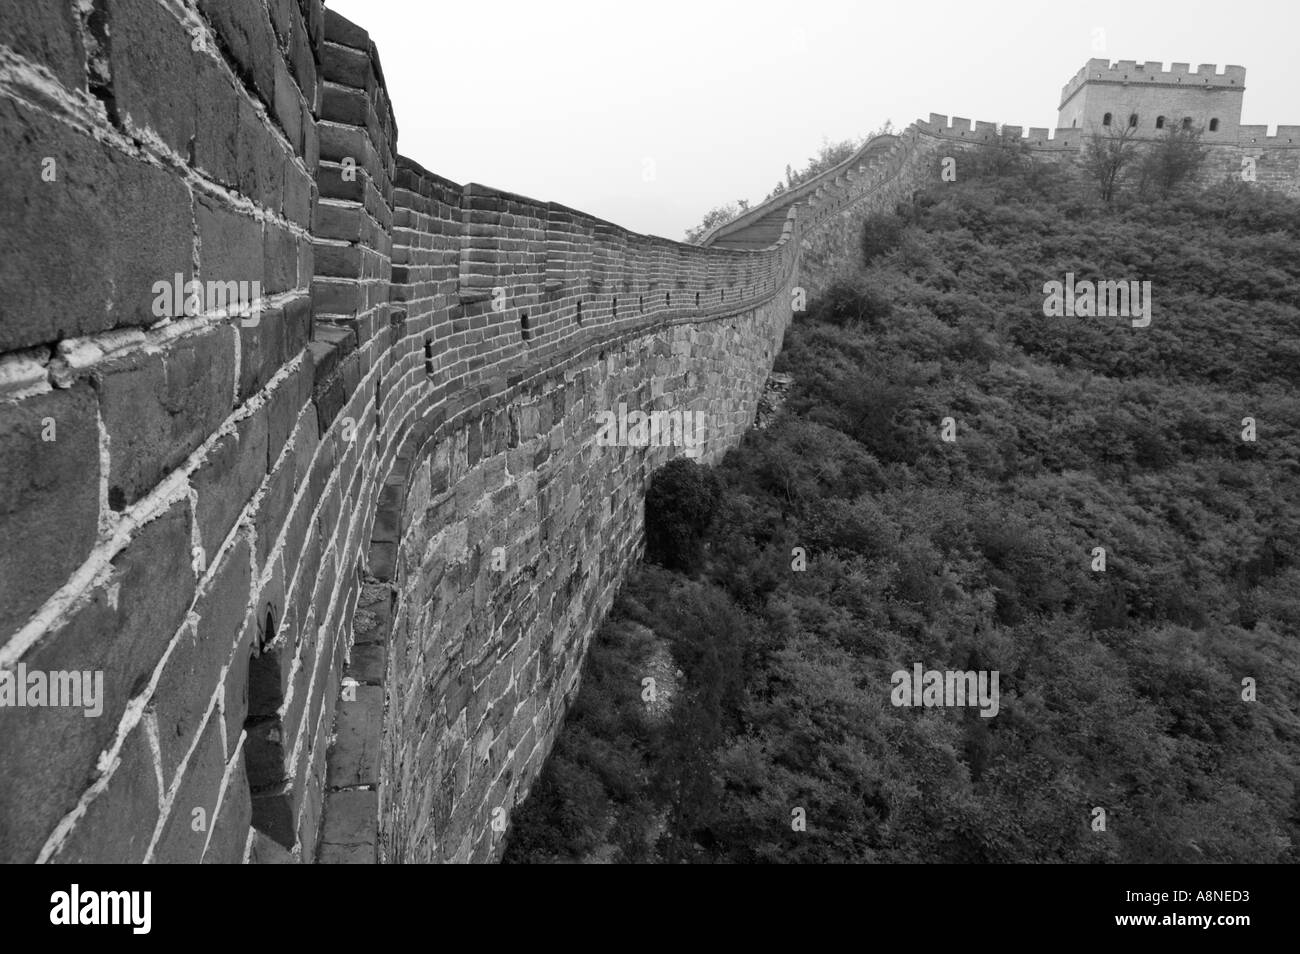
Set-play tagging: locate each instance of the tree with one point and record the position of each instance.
(679, 508)
(881, 234)
(1106, 156)
(1173, 159)
(718, 215)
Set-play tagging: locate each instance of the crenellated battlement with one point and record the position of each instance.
(1206, 75)
(966, 130)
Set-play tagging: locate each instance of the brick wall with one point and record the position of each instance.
(273, 533)
(152, 467)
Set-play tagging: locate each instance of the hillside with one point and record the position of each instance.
(1121, 688)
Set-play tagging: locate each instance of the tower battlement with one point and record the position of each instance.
(960, 128)
(1152, 72)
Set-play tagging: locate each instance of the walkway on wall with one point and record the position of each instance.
(761, 226)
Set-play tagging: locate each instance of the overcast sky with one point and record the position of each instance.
(649, 113)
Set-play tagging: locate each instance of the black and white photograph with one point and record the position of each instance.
(530, 433)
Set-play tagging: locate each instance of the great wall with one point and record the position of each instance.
(340, 561)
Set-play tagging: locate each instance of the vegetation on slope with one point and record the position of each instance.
(1120, 689)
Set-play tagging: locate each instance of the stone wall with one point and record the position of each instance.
(273, 532)
(152, 468)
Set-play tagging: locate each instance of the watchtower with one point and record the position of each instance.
(1104, 96)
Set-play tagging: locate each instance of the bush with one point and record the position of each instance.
(1172, 161)
(852, 302)
(679, 509)
(881, 234)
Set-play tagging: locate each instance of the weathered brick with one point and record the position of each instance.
(231, 244)
(261, 351)
(280, 259)
(154, 83)
(228, 477)
(82, 253)
(245, 32)
(50, 509)
(234, 816)
(266, 851)
(337, 220)
(216, 122)
(299, 191)
(283, 13)
(339, 29)
(274, 509)
(119, 823)
(288, 103)
(350, 832)
(310, 815)
(354, 756)
(261, 158)
(302, 60)
(157, 408)
(345, 65)
(190, 676)
(287, 402)
(122, 630)
(194, 809)
(48, 34)
(273, 812)
(341, 104)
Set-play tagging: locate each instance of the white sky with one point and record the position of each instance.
(650, 113)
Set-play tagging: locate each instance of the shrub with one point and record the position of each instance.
(852, 302)
(881, 234)
(679, 509)
(1172, 161)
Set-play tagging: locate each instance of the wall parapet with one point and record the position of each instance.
(232, 493)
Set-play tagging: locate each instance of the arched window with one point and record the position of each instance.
(1214, 125)
(1132, 120)
(1187, 122)
(1074, 123)
(1105, 120)
(1160, 122)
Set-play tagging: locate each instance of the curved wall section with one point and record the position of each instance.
(336, 558)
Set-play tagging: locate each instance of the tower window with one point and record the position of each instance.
(1214, 125)
(1105, 120)
(1187, 122)
(1160, 122)
(1132, 120)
